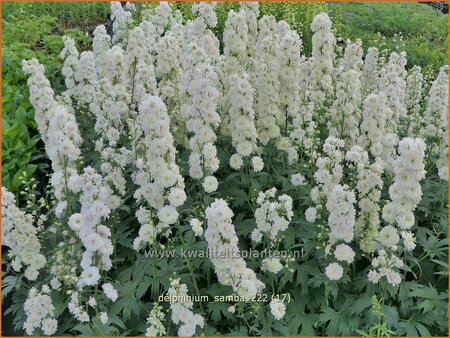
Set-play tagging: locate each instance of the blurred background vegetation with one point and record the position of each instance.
(35, 30)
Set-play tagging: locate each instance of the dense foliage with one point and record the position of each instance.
(213, 132)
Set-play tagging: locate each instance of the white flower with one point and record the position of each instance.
(210, 184)
(90, 276)
(408, 240)
(389, 237)
(168, 214)
(256, 235)
(311, 214)
(196, 225)
(257, 164)
(103, 317)
(20, 236)
(155, 320)
(182, 310)
(109, 291)
(334, 271)
(344, 253)
(55, 283)
(236, 161)
(373, 276)
(223, 245)
(277, 308)
(272, 265)
(272, 216)
(177, 197)
(39, 313)
(92, 302)
(76, 222)
(341, 219)
(393, 277)
(297, 179)
(49, 326)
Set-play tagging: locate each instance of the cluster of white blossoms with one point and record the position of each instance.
(413, 99)
(376, 136)
(277, 308)
(405, 193)
(267, 86)
(20, 236)
(155, 319)
(40, 312)
(251, 10)
(199, 90)
(77, 309)
(162, 99)
(393, 85)
(101, 43)
(158, 176)
(385, 265)
(70, 56)
(290, 46)
(139, 66)
(182, 310)
(368, 188)
(242, 120)
(80, 73)
(341, 219)
(235, 40)
(323, 42)
(122, 22)
(436, 121)
(273, 215)
(222, 240)
(370, 71)
(97, 201)
(345, 111)
(168, 70)
(57, 126)
(328, 174)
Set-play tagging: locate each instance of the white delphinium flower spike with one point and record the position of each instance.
(158, 176)
(222, 240)
(242, 117)
(323, 42)
(435, 129)
(101, 43)
(413, 99)
(371, 72)
(393, 85)
(182, 310)
(199, 96)
(272, 215)
(20, 236)
(267, 88)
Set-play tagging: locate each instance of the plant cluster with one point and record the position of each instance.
(167, 142)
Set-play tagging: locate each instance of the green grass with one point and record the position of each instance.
(424, 30)
(34, 30)
(68, 14)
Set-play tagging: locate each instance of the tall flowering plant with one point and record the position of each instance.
(176, 153)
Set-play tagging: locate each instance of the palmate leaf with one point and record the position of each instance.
(412, 328)
(218, 310)
(427, 292)
(127, 303)
(390, 315)
(10, 283)
(299, 322)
